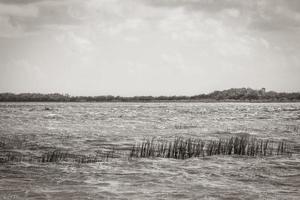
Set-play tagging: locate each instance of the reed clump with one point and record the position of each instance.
(10, 156)
(59, 156)
(181, 148)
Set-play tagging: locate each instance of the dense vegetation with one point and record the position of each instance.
(15, 149)
(182, 148)
(234, 94)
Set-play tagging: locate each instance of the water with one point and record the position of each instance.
(85, 128)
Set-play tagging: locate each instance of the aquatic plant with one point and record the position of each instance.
(10, 147)
(181, 148)
(178, 148)
(10, 156)
(57, 156)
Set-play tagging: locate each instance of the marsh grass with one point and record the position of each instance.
(54, 157)
(58, 156)
(181, 148)
(10, 156)
(20, 149)
(12, 150)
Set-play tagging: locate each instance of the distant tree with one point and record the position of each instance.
(233, 94)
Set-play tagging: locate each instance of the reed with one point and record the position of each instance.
(10, 152)
(10, 156)
(181, 148)
(54, 157)
(58, 156)
(178, 148)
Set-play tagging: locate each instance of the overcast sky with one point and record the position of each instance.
(148, 47)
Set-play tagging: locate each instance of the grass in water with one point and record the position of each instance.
(181, 148)
(57, 156)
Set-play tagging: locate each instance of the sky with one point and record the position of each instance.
(148, 47)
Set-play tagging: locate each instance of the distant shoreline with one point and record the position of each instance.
(159, 101)
(154, 102)
(234, 95)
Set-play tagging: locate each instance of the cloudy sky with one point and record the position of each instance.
(148, 47)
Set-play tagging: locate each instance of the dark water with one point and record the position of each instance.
(85, 128)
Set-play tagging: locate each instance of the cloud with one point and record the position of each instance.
(8, 29)
(75, 42)
(18, 11)
(11, 17)
(158, 39)
(27, 17)
(19, 2)
(276, 17)
(233, 12)
(261, 15)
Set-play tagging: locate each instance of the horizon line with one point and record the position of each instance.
(148, 95)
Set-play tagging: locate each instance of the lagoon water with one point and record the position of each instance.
(88, 128)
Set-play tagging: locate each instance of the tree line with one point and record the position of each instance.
(233, 94)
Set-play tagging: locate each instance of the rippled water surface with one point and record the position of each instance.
(86, 128)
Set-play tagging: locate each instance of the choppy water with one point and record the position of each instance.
(85, 128)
